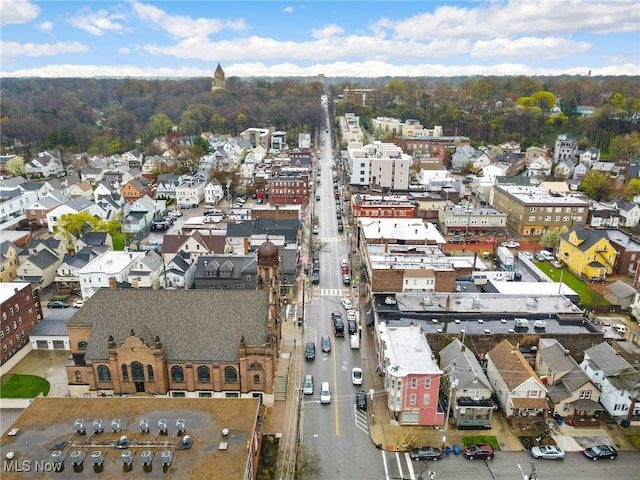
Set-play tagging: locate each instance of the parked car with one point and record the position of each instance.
(325, 344)
(356, 376)
(491, 240)
(310, 351)
(352, 327)
(346, 279)
(351, 315)
(316, 230)
(345, 270)
(473, 240)
(78, 303)
(479, 451)
(57, 304)
(361, 400)
(307, 385)
(425, 453)
(549, 452)
(315, 278)
(543, 256)
(455, 240)
(556, 263)
(343, 262)
(526, 255)
(600, 451)
(510, 244)
(346, 303)
(325, 393)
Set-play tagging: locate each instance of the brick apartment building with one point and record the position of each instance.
(21, 311)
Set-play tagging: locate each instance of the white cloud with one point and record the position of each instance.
(183, 26)
(45, 26)
(99, 22)
(529, 47)
(327, 32)
(15, 49)
(288, 9)
(369, 69)
(124, 51)
(17, 11)
(509, 19)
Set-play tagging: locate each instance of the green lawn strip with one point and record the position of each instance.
(587, 295)
(635, 440)
(23, 386)
(481, 439)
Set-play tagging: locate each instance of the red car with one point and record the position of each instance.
(345, 270)
(479, 451)
(491, 240)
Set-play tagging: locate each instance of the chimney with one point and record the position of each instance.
(246, 245)
(112, 283)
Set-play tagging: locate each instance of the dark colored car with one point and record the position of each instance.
(473, 240)
(310, 351)
(353, 328)
(340, 226)
(479, 451)
(57, 304)
(346, 279)
(600, 451)
(425, 453)
(455, 240)
(315, 278)
(338, 326)
(316, 266)
(316, 256)
(325, 344)
(361, 400)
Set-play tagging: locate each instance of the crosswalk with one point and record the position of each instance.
(398, 465)
(334, 292)
(361, 420)
(332, 239)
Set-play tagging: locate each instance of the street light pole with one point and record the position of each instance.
(452, 385)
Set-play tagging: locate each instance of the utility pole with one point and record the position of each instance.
(452, 384)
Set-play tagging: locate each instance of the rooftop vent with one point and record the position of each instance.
(166, 457)
(127, 458)
(225, 432)
(97, 426)
(180, 426)
(57, 457)
(97, 458)
(116, 425)
(144, 425)
(146, 457)
(162, 426)
(80, 427)
(77, 458)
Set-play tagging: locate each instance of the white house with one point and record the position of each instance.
(619, 382)
(190, 193)
(76, 205)
(45, 164)
(213, 192)
(107, 270)
(180, 271)
(540, 167)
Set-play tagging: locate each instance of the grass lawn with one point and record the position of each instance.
(480, 439)
(23, 386)
(587, 295)
(635, 439)
(118, 242)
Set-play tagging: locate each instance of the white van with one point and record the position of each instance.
(325, 393)
(307, 386)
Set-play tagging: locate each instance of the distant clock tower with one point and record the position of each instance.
(218, 82)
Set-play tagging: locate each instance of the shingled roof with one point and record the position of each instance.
(193, 325)
(512, 365)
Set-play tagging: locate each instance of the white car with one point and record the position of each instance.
(78, 303)
(556, 263)
(511, 244)
(356, 376)
(346, 303)
(325, 393)
(527, 255)
(351, 315)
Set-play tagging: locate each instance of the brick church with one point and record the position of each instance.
(180, 343)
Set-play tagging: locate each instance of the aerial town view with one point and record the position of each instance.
(387, 240)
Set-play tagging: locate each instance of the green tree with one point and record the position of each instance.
(15, 166)
(160, 124)
(544, 100)
(551, 238)
(632, 189)
(625, 147)
(597, 185)
(75, 225)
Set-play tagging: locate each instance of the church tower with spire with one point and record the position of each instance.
(218, 82)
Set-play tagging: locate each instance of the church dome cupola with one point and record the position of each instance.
(268, 254)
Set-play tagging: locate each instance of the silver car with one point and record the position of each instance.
(549, 452)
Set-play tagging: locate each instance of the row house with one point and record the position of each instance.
(472, 221)
(472, 405)
(379, 166)
(195, 245)
(603, 216)
(387, 125)
(411, 376)
(38, 261)
(46, 164)
(106, 270)
(166, 186)
(531, 211)
(629, 212)
(285, 188)
(571, 394)
(85, 249)
(14, 202)
(21, 312)
(190, 193)
(533, 152)
(139, 216)
(520, 392)
(350, 130)
(619, 382)
(179, 271)
(379, 206)
(627, 248)
(8, 261)
(587, 253)
(430, 146)
(38, 211)
(227, 272)
(147, 272)
(213, 192)
(91, 174)
(136, 188)
(77, 205)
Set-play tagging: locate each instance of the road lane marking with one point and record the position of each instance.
(335, 390)
(412, 474)
(399, 464)
(384, 462)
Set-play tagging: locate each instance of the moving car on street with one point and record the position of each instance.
(425, 453)
(549, 452)
(325, 343)
(479, 451)
(356, 376)
(307, 386)
(310, 351)
(78, 303)
(600, 451)
(325, 393)
(57, 304)
(346, 303)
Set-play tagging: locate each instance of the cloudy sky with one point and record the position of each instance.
(347, 38)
